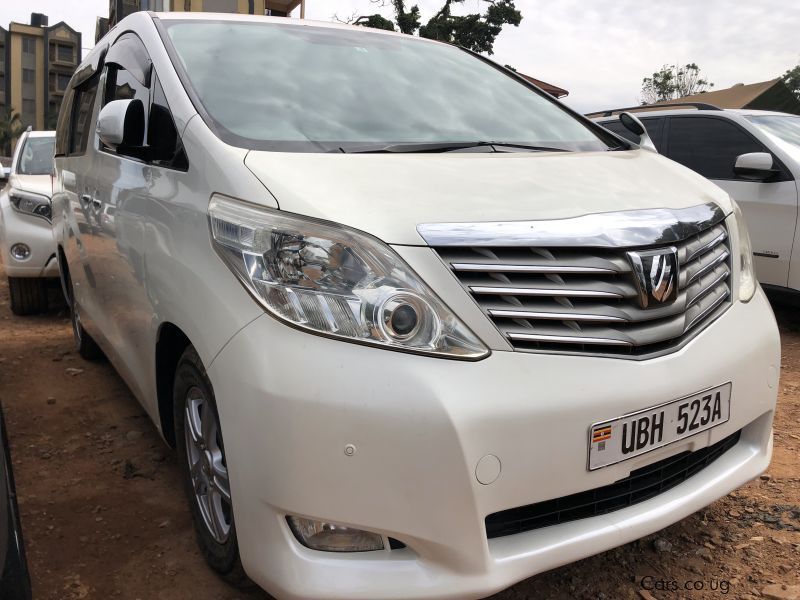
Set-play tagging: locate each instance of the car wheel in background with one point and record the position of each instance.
(201, 454)
(85, 344)
(28, 295)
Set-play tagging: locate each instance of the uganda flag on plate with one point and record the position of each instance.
(601, 433)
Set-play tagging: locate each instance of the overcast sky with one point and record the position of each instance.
(599, 51)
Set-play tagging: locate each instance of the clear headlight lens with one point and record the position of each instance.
(335, 281)
(747, 276)
(31, 204)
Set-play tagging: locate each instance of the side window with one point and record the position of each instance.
(128, 73)
(653, 126)
(166, 149)
(80, 128)
(709, 146)
(63, 125)
(121, 84)
(616, 127)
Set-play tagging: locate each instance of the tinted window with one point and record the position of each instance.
(36, 156)
(294, 87)
(63, 126)
(709, 146)
(81, 127)
(122, 85)
(653, 126)
(165, 146)
(128, 70)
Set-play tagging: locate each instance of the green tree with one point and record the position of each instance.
(792, 79)
(11, 128)
(672, 82)
(476, 31)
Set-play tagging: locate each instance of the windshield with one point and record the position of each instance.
(786, 127)
(304, 88)
(36, 157)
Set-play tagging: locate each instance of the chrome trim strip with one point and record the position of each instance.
(702, 293)
(709, 267)
(532, 314)
(706, 247)
(512, 291)
(624, 229)
(703, 314)
(504, 268)
(536, 337)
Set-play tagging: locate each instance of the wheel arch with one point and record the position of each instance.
(171, 342)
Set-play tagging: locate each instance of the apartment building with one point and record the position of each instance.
(276, 8)
(119, 9)
(36, 64)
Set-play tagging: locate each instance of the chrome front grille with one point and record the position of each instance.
(586, 300)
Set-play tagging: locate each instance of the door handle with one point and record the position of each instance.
(86, 201)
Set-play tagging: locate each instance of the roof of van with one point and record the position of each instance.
(233, 17)
(745, 112)
(41, 134)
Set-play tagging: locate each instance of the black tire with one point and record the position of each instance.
(28, 295)
(84, 343)
(223, 557)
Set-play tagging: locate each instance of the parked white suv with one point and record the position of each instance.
(26, 237)
(754, 155)
(416, 329)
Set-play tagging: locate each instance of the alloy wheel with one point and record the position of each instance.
(207, 466)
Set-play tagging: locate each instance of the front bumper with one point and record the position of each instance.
(36, 233)
(290, 402)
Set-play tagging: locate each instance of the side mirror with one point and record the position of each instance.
(5, 173)
(636, 127)
(121, 124)
(755, 166)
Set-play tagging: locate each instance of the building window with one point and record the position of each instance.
(223, 6)
(28, 107)
(28, 75)
(29, 45)
(62, 81)
(65, 53)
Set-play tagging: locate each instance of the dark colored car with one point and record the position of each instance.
(15, 581)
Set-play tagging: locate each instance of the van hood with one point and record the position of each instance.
(36, 184)
(388, 195)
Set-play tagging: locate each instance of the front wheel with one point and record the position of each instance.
(28, 295)
(201, 456)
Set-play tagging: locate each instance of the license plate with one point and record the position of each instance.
(635, 434)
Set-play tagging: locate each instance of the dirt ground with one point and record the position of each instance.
(104, 515)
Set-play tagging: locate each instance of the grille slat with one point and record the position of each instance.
(507, 268)
(585, 300)
(642, 484)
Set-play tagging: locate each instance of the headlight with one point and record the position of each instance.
(747, 277)
(336, 281)
(31, 204)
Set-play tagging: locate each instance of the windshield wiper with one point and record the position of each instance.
(432, 147)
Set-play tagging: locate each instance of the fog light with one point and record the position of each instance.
(20, 251)
(330, 537)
